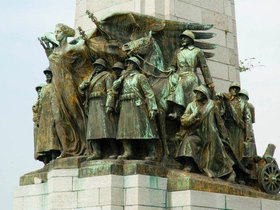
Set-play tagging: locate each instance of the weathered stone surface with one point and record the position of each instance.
(62, 200)
(218, 70)
(101, 167)
(98, 182)
(88, 198)
(173, 189)
(111, 196)
(196, 198)
(60, 184)
(184, 10)
(32, 190)
(270, 205)
(179, 180)
(152, 182)
(131, 167)
(145, 196)
(238, 202)
(141, 207)
(35, 202)
(63, 163)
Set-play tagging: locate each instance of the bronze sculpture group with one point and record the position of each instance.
(114, 91)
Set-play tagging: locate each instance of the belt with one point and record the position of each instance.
(186, 73)
(96, 94)
(127, 96)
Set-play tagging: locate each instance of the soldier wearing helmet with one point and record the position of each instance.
(118, 67)
(201, 131)
(137, 110)
(101, 125)
(250, 149)
(47, 143)
(186, 61)
(237, 118)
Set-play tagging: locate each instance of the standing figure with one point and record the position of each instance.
(201, 138)
(137, 110)
(101, 123)
(35, 110)
(237, 118)
(48, 146)
(188, 58)
(69, 64)
(250, 149)
(118, 68)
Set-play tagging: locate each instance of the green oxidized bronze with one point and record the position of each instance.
(201, 138)
(93, 105)
(101, 123)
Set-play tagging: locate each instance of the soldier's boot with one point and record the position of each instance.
(114, 148)
(45, 159)
(189, 165)
(54, 154)
(151, 151)
(96, 151)
(231, 177)
(127, 151)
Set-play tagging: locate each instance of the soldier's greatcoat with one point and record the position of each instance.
(47, 139)
(186, 61)
(136, 100)
(100, 125)
(202, 139)
(35, 110)
(238, 121)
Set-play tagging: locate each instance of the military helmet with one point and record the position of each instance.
(118, 65)
(188, 33)
(203, 89)
(234, 85)
(244, 92)
(47, 70)
(39, 87)
(100, 61)
(134, 60)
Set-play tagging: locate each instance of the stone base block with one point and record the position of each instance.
(132, 185)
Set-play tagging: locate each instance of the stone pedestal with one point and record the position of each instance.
(221, 13)
(131, 185)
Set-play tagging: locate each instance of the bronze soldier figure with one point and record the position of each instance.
(188, 58)
(101, 123)
(137, 110)
(35, 110)
(201, 138)
(237, 118)
(48, 145)
(250, 149)
(118, 68)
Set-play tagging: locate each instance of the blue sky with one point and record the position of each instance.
(23, 60)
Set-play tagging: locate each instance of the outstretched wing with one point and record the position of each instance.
(127, 26)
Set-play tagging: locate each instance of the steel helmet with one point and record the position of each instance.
(203, 90)
(244, 92)
(118, 65)
(100, 61)
(39, 87)
(134, 60)
(188, 33)
(234, 85)
(47, 70)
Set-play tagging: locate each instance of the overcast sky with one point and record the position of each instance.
(23, 60)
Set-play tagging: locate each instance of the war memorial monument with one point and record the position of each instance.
(142, 108)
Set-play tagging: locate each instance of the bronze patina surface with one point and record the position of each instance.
(126, 99)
